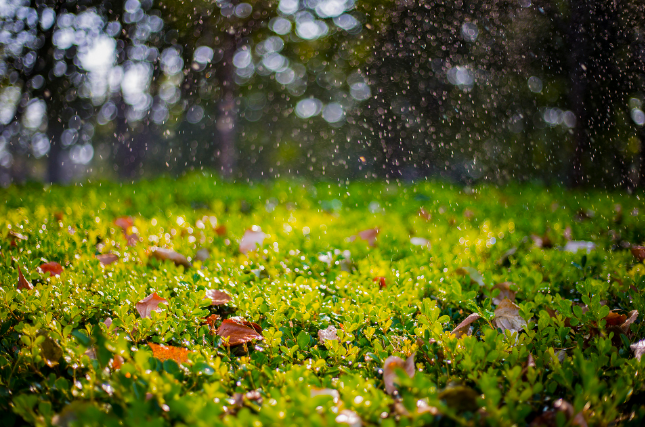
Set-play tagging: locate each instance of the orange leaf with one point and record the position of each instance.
(107, 259)
(169, 352)
(237, 332)
(220, 230)
(217, 297)
(22, 282)
(210, 321)
(53, 268)
(149, 304)
(169, 255)
(615, 319)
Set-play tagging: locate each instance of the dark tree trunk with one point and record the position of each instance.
(55, 128)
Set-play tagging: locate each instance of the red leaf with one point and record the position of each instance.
(169, 352)
(369, 236)
(22, 282)
(149, 304)
(251, 239)
(381, 281)
(169, 255)
(217, 297)
(237, 332)
(53, 268)
(107, 259)
(220, 230)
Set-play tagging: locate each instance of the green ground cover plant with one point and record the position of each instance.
(197, 302)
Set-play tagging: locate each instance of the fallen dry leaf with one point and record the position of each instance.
(107, 259)
(53, 268)
(614, 319)
(220, 230)
(131, 239)
(124, 223)
(217, 297)
(328, 334)
(237, 332)
(381, 281)
(638, 252)
(633, 315)
(463, 327)
(251, 240)
(169, 352)
(638, 348)
(507, 317)
(170, 255)
(391, 365)
(202, 255)
(369, 236)
(505, 292)
(149, 304)
(210, 321)
(22, 282)
(14, 237)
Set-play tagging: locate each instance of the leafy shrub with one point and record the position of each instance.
(505, 322)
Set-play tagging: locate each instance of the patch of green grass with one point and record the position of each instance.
(61, 363)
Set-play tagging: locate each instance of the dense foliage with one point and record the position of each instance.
(441, 255)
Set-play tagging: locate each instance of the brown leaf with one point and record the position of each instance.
(14, 237)
(463, 327)
(202, 255)
(22, 282)
(251, 240)
(369, 236)
(328, 334)
(149, 304)
(391, 365)
(169, 352)
(220, 230)
(615, 319)
(131, 239)
(638, 252)
(217, 297)
(237, 332)
(53, 268)
(210, 321)
(638, 348)
(505, 292)
(107, 259)
(170, 255)
(124, 223)
(633, 315)
(507, 317)
(381, 281)
(117, 362)
(425, 214)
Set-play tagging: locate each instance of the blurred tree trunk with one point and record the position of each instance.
(55, 128)
(227, 114)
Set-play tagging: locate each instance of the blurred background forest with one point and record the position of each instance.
(495, 90)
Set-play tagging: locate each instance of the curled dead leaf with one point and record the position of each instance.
(107, 259)
(210, 321)
(169, 352)
(507, 317)
(633, 315)
(463, 327)
(22, 282)
(327, 334)
(217, 297)
(237, 332)
(251, 240)
(170, 255)
(149, 304)
(391, 365)
(505, 292)
(53, 268)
